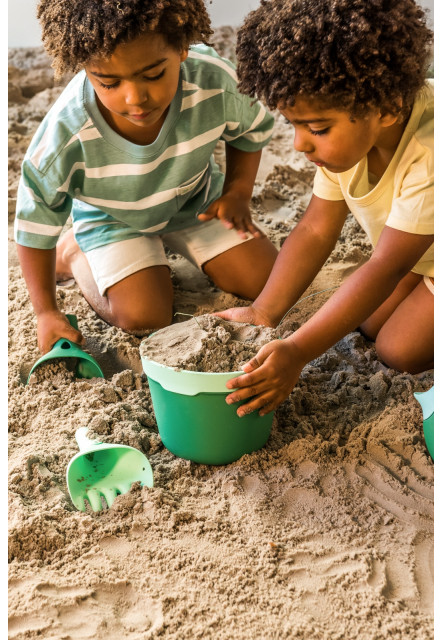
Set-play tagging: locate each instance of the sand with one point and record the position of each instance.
(207, 344)
(324, 534)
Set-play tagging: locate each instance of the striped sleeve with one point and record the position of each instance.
(42, 210)
(248, 126)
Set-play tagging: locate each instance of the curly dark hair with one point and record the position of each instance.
(353, 55)
(75, 31)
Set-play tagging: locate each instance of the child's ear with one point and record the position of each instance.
(184, 55)
(389, 117)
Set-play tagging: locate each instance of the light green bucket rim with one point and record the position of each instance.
(189, 383)
(426, 400)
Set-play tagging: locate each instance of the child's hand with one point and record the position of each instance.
(249, 315)
(53, 325)
(270, 378)
(234, 212)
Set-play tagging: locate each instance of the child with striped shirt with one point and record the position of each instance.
(127, 150)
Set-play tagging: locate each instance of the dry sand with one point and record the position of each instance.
(207, 343)
(324, 534)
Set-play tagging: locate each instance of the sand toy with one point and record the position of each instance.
(104, 471)
(426, 400)
(188, 365)
(194, 420)
(86, 366)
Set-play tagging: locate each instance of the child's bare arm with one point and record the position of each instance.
(233, 207)
(363, 292)
(38, 268)
(276, 368)
(301, 257)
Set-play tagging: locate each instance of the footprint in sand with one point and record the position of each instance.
(100, 612)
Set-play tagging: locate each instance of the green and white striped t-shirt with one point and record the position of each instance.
(117, 190)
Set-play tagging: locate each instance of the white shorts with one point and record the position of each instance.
(429, 284)
(198, 244)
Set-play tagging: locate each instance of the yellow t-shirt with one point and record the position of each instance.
(403, 197)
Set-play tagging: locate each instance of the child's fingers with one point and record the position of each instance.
(208, 215)
(254, 391)
(238, 314)
(255, 231)
(228, 224)
(251, 365)
(246, 225)
(226, 315)
(264, 403)
(77, 337)
(242, 381)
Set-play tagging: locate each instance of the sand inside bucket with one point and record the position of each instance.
(206, 343)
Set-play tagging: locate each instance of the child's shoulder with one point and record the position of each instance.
(205, 63)
(422, 117)
(66, 118)
(425, 98)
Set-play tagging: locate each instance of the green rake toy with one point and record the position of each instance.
(102, 471)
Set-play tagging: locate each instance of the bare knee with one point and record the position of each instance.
(140, 321)
(244, 269)
(394, 354)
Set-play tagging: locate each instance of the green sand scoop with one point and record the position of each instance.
(426, 400)
(86, 366)
(103, 470)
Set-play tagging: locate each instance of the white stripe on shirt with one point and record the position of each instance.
(260, 116)
(84, 136)
(190, 101)
(144, 203)
(218, 62)
(37, 227)
(109, 171)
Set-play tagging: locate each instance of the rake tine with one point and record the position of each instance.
(93, 496)
(109, 495)
(79, 502)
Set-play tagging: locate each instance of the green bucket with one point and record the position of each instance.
(427, 402)
(194, 420)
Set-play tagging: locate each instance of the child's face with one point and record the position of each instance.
(136, 85)
(330, 139)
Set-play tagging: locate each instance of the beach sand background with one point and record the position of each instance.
(324, 534)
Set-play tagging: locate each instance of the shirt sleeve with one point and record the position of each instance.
(326, 185)
(42, 210)
(413, 208)
(249, 125)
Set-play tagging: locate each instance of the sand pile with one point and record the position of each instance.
(324, 534)
(206, 343)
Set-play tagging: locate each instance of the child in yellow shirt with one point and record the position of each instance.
(349, 75)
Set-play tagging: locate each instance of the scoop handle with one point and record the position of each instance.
(85, 443)
(72, 319)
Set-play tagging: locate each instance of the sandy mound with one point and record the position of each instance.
(325, 533)
(206, 343)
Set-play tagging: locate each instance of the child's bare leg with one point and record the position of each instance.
(243, 269)
(404, 337)
(140, 302)
(370, 328)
